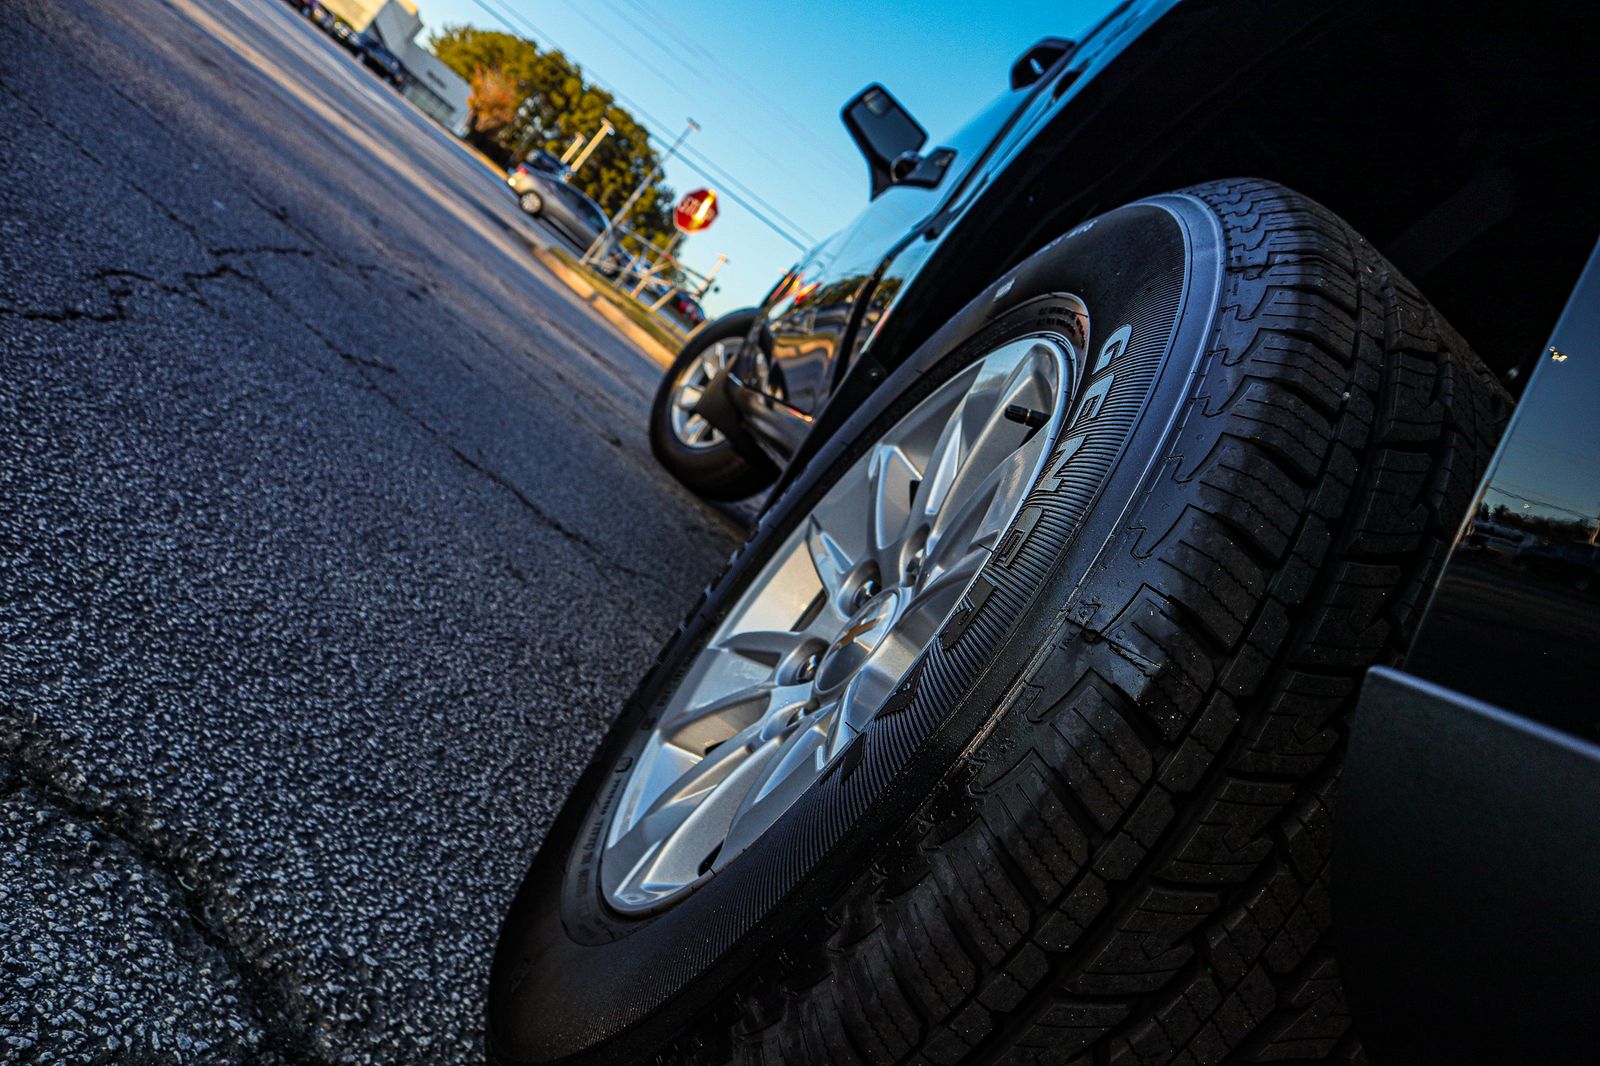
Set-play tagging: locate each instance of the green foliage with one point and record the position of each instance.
(555, 103)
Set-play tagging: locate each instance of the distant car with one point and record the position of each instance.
(314, 11)
(569, 211)
(376, 57)
(345, 34)
(684, 310)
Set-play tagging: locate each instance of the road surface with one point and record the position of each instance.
(329, 541)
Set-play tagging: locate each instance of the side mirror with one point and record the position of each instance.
(884, 131)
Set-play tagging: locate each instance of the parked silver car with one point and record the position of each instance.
(547, 197)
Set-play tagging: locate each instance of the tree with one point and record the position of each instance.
(524, 98)
(493, 100)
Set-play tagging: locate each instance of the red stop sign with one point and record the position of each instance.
(695, 211)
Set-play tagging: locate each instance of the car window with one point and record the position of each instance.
(592, 212)
(584, 207)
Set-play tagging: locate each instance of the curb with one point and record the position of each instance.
(582, 289)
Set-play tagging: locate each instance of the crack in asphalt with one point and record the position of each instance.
(34, 766)
(351, 267)
(472, 733)
(191, 281)
(189, 288)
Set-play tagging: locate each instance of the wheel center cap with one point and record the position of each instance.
(856, 641)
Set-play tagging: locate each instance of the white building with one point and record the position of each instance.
(436, 89)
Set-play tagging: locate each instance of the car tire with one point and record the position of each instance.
(691, 449)
(531, 203)
(1092, 821)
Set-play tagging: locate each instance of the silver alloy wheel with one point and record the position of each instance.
(531, 202)
(825, 631)
(692, 430)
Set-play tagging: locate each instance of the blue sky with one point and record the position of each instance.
(765, 82)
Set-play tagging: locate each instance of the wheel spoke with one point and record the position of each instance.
(763, 645)
(714, 359)
(976, 514)
(943, 464)
(702, 723)
(873, 685)
(783, 778)
(946, 572)
(829, 559)
(890, 478)
(989, 440)
(665, 846)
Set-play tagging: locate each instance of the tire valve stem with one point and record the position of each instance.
(1026, 416)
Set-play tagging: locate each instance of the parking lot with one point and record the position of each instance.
(330, 541)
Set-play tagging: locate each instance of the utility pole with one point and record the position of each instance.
(633, 197)
(594, 142)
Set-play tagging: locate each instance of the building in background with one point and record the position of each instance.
(436, 89)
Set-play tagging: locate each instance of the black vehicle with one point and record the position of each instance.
(548, 197)
(1114, 500)
(376, 57)
(343, 32)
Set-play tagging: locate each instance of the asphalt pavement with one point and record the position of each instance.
(329, 542)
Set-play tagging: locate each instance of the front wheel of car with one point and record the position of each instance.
(531, 203)
(692, 449)
(1012, 733)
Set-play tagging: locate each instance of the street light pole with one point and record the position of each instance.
(633, 197)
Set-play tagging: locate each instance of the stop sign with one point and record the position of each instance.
(696, 211)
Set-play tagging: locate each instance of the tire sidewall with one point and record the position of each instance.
(943, 710)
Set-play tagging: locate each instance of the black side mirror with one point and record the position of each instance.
(1037, 61)
(884, 131)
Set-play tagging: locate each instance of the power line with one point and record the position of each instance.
(719, 173)
(512, 19)
(802, 245)
(729, 179)
(748, 94)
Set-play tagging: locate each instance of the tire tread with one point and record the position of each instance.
(1135, 868)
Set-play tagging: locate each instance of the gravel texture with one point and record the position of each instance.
(329, 541)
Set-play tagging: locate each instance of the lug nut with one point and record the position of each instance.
(808, 669)
(868, 589)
